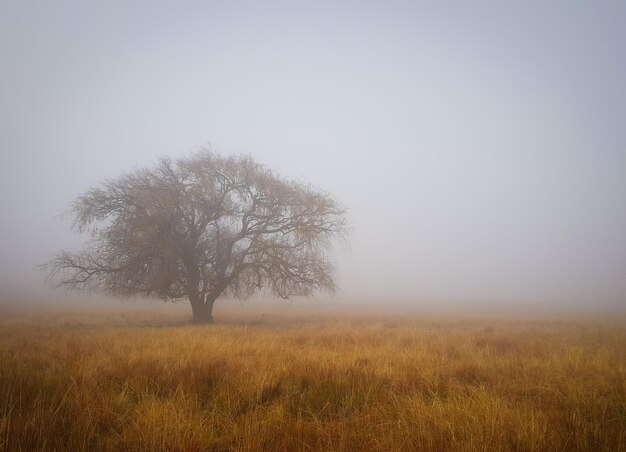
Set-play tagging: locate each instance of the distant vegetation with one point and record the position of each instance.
(311, 381)
(198, 228)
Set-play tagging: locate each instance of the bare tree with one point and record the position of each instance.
(199, 228)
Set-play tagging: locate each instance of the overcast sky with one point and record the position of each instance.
(480, 146)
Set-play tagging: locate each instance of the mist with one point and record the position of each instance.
(480, 149)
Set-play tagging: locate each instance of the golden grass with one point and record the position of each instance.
(135, 380)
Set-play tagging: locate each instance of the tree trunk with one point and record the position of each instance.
(202, 311)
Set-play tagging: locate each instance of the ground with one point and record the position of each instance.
(310, 378)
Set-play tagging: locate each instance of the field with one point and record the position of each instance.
(268, 378)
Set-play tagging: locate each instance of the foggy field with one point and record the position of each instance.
(434, 189)
(266, 378)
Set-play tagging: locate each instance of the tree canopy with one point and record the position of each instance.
(202, 227)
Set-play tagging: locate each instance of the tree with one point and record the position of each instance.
(202, 227)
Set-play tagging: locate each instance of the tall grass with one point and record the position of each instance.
(310, 381)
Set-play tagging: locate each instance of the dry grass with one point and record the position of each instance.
(132, 380)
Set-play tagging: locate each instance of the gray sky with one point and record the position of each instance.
(480, 146)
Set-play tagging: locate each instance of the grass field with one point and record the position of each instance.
(310, 379)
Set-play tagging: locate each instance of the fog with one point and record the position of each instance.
(479, 147)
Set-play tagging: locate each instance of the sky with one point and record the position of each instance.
(480, 147)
